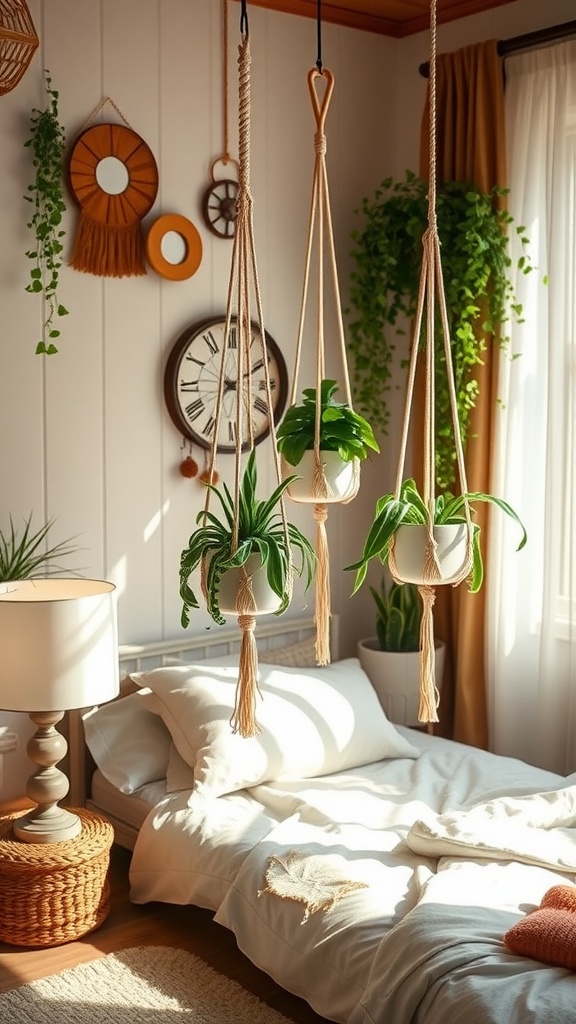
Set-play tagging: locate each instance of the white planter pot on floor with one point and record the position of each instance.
(395, 675)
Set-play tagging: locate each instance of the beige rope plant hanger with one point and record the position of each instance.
(431, 287)
(320, 225)
(243, 281)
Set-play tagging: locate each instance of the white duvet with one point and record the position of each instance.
(440, 855)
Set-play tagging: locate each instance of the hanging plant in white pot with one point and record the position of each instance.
(409, 529)
(245, 561)
(344, 439)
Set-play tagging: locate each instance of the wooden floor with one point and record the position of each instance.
(153, 924)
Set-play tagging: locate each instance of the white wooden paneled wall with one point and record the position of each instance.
(84, 435)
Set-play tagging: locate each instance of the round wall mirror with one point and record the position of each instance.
(174, 247)
(112, 175)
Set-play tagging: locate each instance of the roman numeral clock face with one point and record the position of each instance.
(191, 384)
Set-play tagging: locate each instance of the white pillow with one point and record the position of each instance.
(313, 721)
(129, 743)
(179, 774)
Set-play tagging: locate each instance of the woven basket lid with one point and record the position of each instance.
(18, 42)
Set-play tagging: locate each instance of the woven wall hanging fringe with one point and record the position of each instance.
(109, 240)
(431, 287)
(244, 280)
(320, 228)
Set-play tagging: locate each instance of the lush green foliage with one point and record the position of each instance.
(410, 508)
(24, 555)
(473, 230)
(399, 614)
(342, 429)
(47, 196)
(260, 530)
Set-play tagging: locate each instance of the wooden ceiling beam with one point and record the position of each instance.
(395, 18)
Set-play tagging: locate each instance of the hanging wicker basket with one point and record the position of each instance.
(18, 42)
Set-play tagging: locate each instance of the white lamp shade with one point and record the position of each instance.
(58, 644)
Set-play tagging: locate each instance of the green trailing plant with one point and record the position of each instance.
(24, 553)
(260, 531)
(398, 616)
(473, 228)
(46, 194)
(410, 508)
(342, 429)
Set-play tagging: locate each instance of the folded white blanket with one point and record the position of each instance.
(536, 829)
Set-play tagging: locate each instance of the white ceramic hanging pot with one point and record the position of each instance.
(452, 552)
(265, 600)
(341, 478)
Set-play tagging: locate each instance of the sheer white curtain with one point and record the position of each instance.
(532, 594)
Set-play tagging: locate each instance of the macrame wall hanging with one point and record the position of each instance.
(243, 288)
(114, 180)
(325, 477)
(219, 202)
(409, 562)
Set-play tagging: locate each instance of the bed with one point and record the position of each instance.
(384, 874)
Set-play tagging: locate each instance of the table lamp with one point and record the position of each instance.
(58, 651)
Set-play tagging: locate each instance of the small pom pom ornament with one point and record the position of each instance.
(188, 467)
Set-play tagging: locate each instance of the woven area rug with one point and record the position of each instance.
(145, 985)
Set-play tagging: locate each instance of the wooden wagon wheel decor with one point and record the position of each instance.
(221, 196)
(114, 180)
(18, 43)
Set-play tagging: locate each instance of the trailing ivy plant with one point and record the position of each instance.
(473, 227)
(47, 197)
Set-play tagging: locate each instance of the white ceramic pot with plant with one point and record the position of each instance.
(253, 537)
(246, 591)
(343, 437)
(453, 554)
(393, 513)
(338, 479)
(391, 659)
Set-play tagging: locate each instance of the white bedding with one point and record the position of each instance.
(420, 938)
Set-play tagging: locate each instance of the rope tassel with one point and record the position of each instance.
(322, 587)
(243, 719)
(429, 695)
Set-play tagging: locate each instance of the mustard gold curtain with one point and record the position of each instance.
(470, 147)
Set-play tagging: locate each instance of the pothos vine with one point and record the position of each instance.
(47, 142)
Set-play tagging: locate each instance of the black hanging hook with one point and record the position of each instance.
(243, 19)
(319, 36)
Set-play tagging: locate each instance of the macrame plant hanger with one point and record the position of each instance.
(320, 224)
(244, 280)
(431, 286)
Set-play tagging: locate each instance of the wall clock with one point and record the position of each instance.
(191, 383)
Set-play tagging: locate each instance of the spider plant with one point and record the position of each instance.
(24, 554)
(342, 429)
(410, 509)
(260, 531)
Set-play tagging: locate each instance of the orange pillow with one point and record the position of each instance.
(562, 897)
(549, 933)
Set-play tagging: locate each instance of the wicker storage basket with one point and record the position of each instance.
(51, 893)
(18, 42)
